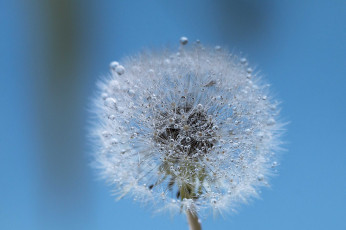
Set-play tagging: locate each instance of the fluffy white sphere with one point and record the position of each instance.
(190, 130)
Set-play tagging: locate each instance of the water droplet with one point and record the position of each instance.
(249, 70)
(271, 121)
(131, 92)
(199, 107)
(217, 48)
(151, 71)
(120, 70)
(184, 40)
(113, 65)
(111, 117)
(243, 61)
(106, 134)
(104, 96)
(260, 177)
(114, 141)
(188, 139)
(110, 103)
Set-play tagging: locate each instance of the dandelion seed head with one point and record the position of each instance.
(194, 130)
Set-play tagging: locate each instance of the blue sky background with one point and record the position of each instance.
(52, 52)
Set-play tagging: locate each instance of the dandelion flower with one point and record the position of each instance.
(194, 130)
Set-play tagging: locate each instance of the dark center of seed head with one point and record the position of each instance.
(185, 130)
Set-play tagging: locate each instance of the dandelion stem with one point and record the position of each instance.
(193, 221)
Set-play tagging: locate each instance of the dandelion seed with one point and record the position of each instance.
(186, 132)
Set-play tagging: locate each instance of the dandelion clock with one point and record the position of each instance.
(191, 131)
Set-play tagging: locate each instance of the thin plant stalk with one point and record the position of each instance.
(194, 224)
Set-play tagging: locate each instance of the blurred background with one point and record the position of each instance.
(53, 51)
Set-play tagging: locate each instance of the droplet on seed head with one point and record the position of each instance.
(113, 65)
(184, 40)
(120, 70)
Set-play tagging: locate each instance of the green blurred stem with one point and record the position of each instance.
(193, 221)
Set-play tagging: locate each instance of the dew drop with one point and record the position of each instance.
(114, 141)
(151, 71)
(217, 48)
(131, 92)
(120, 70)
(110, 103)
(113, 65)
(271, 121)
(184, 40)
(260, 177)
(114, 85)
(104, 96)
(111, 117)
(200, 107)
(106, 134)
(121, 109)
